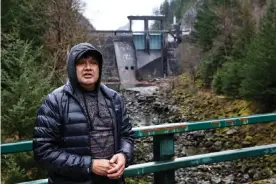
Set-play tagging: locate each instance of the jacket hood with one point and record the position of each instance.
(75, 54)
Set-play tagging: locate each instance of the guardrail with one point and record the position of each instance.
(163, 147)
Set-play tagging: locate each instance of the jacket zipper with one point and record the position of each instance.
(89, 118)
(89, 126)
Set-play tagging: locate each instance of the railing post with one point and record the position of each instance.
(163, 149)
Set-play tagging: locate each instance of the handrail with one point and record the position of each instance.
(222, 156)
(21, 146)
(165, 129)
(203, 125)
(153, 167)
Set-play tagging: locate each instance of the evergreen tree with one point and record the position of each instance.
(231, 79)
(244, 30)
(230, 75)
(206, 72)
(28, 17)
(217, 82)
(260, 63)
(205, 27)
(24, 83)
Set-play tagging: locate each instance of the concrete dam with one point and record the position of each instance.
(131, 57)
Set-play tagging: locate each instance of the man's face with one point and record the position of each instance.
(87, 70)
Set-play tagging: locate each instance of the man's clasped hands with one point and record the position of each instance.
(113, 168)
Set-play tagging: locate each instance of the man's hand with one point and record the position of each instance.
(102, 166)
(117, 171)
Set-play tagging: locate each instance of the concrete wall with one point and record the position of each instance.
(143, 58)
(126, 61)
(153, 69)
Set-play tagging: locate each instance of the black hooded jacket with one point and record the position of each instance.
(61, 135)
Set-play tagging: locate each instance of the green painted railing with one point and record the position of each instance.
(165, 129)
(164, 164)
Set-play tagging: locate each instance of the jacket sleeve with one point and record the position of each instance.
(47, 135)
(126, 135)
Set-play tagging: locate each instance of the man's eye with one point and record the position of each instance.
(80, 62)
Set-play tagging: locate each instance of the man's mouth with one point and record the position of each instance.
(87, 75)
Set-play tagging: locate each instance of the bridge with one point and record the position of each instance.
(164, 162)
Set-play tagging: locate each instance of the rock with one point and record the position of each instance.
(228, 179)
(267, 172)
(217, 145)
(141, 99)
(257, 175)
(246, 143)
(245, 178)
(155, 120)
(208, 143)
(204, 168)
(244, 168)
(150, 98)
(190, 180)
(228, 144)
(251, 172)
(183, 153)
(190, 150)
(271, 181)
(205, 182)
(157, 104)
(248, 138)
(215, 179)
(231, 131)
(188, 143)
(113, 79)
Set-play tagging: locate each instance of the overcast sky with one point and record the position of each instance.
(112, 14)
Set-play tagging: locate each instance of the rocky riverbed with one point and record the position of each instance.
(154, 105)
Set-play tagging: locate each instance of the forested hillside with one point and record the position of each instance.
(237, 42)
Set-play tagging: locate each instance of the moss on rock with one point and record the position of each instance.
(205, 105)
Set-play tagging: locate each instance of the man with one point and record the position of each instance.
(82, 132)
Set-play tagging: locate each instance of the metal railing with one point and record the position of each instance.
(163, 147)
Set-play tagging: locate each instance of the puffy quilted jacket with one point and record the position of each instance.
(61, 135)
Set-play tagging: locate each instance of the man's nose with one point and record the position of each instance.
(88, 65)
